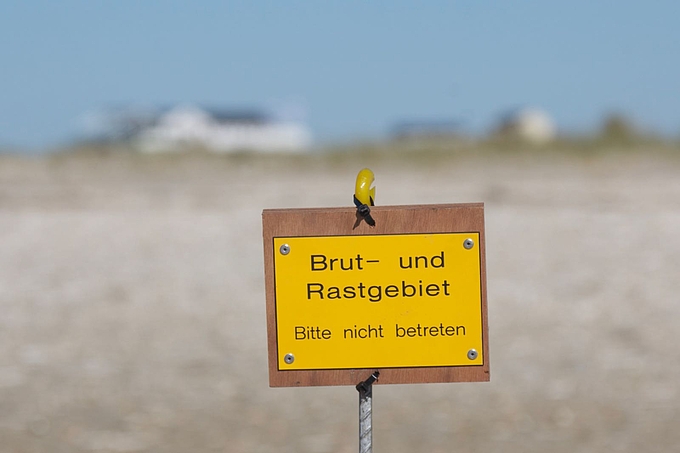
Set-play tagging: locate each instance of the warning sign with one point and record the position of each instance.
(406, 297)
(378, 301)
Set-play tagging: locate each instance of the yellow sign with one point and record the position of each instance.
(378, 301)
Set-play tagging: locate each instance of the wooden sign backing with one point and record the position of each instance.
(390, 220)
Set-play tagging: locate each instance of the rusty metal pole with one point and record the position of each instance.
(365, 389)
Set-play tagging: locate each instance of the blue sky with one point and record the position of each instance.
(357, 67)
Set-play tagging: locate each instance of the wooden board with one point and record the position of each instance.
(390, 220)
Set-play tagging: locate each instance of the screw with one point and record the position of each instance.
(289, 358)
(285, 249)
(472, 354)
(468, 243)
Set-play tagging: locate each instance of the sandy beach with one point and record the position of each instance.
(132, 311)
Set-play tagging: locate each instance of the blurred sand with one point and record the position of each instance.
(132, 306)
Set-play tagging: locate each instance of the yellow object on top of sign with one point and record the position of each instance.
(378, 301)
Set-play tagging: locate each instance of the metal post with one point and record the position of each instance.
(365, 389)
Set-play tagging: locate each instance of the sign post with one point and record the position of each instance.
(403, 299)
(366, 413)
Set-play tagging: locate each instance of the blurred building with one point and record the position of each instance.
(191, 127)
(426, 129)
(529, 124)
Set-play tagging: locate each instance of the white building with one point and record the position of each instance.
(187, 127)
(530, 124)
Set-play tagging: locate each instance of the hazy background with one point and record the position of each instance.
(350, 68)
(131, 284)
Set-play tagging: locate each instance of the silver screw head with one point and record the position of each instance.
(468, 243)
(284, 249)
(289, 358)
(472, 354)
